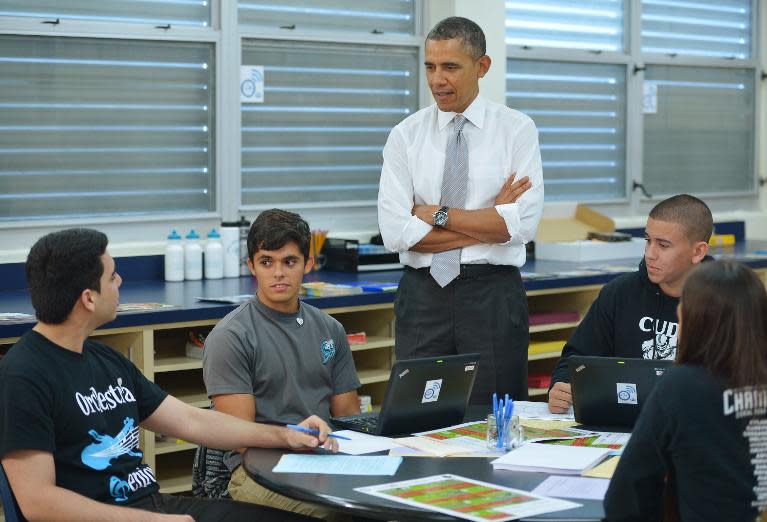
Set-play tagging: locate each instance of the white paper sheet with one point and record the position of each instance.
(573, 487)
(337, 464)
(540, 410)
(362, 443)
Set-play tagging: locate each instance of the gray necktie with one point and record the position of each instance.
(445, 266)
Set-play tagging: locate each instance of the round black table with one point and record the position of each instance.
(337, 491)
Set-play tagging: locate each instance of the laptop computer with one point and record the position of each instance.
(422, 394)
(610, 391)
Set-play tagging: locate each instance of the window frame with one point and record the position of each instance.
(226, 36)
(636, 62)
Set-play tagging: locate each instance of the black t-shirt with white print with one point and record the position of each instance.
(704, 439)
(85, 409)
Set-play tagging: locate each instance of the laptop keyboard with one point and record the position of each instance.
(367, 423)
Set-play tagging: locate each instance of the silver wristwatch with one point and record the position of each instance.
(440, 217)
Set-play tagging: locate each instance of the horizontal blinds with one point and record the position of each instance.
(104, 127)
(719, 29)
(365, 16)
(579, 110)
(700, 138)
(174, 12)
(327, 111)
(585, 25)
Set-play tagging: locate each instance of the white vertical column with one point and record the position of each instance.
(228, 116)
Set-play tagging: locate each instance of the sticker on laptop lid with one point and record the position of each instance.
(581, 367)
(469, 368)
(431, 391)
(401, 375)
(627, 393)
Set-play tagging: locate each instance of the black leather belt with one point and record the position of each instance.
(475, 269)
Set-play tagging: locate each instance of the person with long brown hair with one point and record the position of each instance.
(699, 448)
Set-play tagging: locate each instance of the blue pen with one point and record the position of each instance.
(499, 424)
(507, 414)
(314, 432)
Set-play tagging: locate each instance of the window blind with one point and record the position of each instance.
(104, 127)
(579, 109)
(365, 16)
(701, 137)
(720, 29)
(586, 25)
(173, 12)
(318, 137)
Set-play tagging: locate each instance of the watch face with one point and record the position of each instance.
(440, 218)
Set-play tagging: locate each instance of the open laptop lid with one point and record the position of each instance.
(610, 391)
(425, 394)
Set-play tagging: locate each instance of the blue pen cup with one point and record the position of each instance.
(511, 437)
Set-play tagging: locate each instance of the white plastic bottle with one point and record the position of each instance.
(244, 229)
(214, 256)
(192, 257)
(174, 258)
(230, 238)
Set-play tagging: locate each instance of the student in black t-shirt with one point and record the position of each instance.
(70, 408)
(699, 448)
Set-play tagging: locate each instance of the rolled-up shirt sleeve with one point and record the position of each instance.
(522, 216)
(399, 228)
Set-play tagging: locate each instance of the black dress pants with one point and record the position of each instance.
(483, 310)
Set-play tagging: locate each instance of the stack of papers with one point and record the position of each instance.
(551, 458)
(320, 289)
(604, 470)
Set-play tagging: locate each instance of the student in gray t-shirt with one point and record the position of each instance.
(274, 359)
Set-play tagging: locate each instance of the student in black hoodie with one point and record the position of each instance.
(635, 314)
(699, 448)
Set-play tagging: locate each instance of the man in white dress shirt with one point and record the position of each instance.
(488, 158)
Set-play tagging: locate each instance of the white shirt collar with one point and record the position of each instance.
(475, 113)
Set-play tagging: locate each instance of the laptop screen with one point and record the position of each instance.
(426, 393)
(610, 391)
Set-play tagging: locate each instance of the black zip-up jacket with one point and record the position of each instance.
(631, 317)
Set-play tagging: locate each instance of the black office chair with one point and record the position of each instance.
(10, 507)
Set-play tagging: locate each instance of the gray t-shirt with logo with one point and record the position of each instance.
(291, 363)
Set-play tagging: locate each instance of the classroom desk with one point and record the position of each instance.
(337, 491)
(155, 340)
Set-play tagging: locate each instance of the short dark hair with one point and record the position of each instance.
(724, 306)
(274, 228)
(463, 28)
(60, 266)
(690, 212)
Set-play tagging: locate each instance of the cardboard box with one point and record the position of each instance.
(564, 239)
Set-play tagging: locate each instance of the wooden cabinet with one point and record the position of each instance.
(574, 299)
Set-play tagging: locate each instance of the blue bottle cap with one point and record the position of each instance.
(214, 233)
(174, 235)
(192, 235)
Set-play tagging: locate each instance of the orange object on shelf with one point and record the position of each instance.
(357, 338)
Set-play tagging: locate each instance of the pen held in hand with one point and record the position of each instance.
(314, 432)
